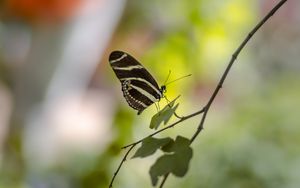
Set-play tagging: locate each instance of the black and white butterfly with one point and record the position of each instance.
(139, 87)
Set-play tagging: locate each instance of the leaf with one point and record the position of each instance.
(181, 156)
(168, 114)
(162, 166)
(150, 145)
(177, 145)
(164, 115)
(182, 161)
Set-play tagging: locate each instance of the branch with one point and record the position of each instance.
(212, 98)
(120, 165)
(233, 58)
(168, 127)
(220, 84)
(139, 141)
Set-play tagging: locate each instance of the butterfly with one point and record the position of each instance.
(139, 87)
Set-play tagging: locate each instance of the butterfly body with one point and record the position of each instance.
(138, 86)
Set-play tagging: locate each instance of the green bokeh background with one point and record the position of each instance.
(252, 132)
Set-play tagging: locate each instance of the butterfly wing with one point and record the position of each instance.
(139, 87)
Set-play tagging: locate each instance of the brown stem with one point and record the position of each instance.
(164, 180)
(165, 128)
(120, 165)
(207, 106)
(233, 58)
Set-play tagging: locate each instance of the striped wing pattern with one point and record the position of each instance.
(139, 88)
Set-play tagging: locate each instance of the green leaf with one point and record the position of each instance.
(177, 145)
(182, 161)
(150, 145)
(164, 115)
(168, 147)
(181, 156)
(162, 166)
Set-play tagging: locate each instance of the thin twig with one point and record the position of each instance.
(120, 165)
(233, 58)
(164, 180)
(165, 128)
(139, 141)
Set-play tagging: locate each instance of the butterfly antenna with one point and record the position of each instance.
(178, 79)
(167, 77)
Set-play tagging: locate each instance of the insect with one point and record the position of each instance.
(138, 86)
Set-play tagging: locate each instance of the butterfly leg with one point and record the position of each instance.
(157, 106)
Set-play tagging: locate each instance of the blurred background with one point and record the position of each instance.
(63, 119)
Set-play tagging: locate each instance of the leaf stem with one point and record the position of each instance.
(164, 180)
